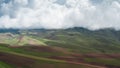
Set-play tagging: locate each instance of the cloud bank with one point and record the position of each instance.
(57, 14)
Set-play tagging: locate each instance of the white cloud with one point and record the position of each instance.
(51, 15)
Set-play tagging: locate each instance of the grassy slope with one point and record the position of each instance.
(13, 40)
(104, 41)
(104, 61)
(76, 40)
(55, 63)
(5, 65)
(82, 42)
(40, 61)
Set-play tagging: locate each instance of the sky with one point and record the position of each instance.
(60, 14)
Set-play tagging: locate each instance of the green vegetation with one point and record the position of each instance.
(46, 47)
(19, 40)
(76, 39)
(104, 61)
(5, 65)
(103, 41)
(5, 48)
(39, 60)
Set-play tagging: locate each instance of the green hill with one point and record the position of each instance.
(17, 39)
(60, 48)
(80, 39)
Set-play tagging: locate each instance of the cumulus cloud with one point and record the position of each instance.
(57, 14)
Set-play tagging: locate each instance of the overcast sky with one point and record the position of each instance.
(55, 14)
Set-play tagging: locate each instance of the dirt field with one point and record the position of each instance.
(72, 59)
(23, 62)
(79, 58)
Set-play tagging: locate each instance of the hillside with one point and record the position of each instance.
(61, 48)
(80, 39)
(19, 40)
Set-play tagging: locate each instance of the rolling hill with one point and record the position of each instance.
(80, 39)
(62, 48)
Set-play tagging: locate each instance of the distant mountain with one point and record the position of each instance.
(15, 31)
